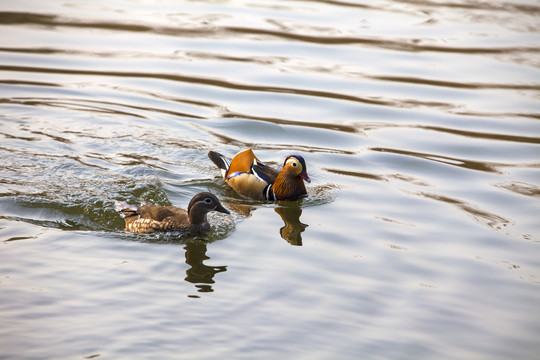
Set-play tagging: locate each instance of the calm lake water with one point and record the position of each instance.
(420, 125)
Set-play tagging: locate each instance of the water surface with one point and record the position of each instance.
(419, 122)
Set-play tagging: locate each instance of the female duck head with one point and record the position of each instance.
(203, 203)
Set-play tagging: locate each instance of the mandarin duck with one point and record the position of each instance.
(251, 178)
(150, 218)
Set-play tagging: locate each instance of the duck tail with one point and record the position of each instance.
(221, 161)
(125, 209)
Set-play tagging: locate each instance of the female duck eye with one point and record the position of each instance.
(208, 200)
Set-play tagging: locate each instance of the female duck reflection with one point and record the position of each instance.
(199, 274)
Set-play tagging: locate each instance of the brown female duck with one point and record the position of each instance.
(153, 218)
(251, 178)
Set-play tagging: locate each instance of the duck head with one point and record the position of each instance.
(295, 165)
(201, 204)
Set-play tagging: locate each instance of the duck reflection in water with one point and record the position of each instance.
(200, 274)
(289, 211)
(292, 231)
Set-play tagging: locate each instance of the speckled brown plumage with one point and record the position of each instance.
(153, 218)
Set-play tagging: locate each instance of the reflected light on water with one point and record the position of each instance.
(419, 124)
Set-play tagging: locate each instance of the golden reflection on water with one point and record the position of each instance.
(292, 231)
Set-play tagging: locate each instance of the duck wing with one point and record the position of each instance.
(264, 172)
(160, 213)
(125, 209)
(243, 162)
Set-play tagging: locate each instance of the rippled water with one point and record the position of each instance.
(420, 125)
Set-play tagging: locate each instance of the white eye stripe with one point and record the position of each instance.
(203, 202)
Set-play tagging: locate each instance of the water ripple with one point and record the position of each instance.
(234, 86)
(487, 218)
(464, 163)
(457, 85)
(406, 45)
(419, 123)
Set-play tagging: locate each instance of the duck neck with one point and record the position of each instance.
(288, 186)
(197, 217)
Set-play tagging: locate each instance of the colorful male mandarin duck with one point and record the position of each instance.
(252, 179)
(153, 218)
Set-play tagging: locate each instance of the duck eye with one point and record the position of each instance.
(208, 200)
(294, 164)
